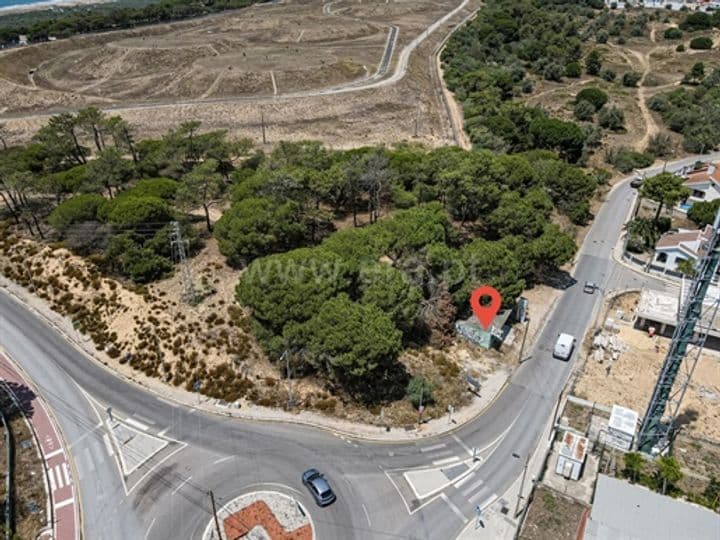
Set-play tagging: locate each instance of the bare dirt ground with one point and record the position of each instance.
(225, 70)
(552, 515)
(631, 379)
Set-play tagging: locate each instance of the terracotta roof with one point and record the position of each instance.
(676, 239)
(711, 173)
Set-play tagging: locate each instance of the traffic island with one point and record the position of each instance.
(261, 515)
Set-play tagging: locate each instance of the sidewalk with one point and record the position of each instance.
(64, 505)
(489, 390)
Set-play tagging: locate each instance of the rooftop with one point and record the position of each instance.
(623, 511)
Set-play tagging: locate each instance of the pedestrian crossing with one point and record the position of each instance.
(59, 476)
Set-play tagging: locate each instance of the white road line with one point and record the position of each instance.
(52, 479)
(453, 507)
(136, 424)
(480, 494)
(54, 453)
(367, 516)
(181, 485)
(66, 473)
(446, 460)
(163, 432)
(144, 419)
(464, 481)
(473, 487)
(434, 447)
(59, 476)
(147, 533)
(487, 502)
(64, 503)
(461, 443)
(108, 444)
(222, 459)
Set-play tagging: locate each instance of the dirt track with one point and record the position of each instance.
(298, 101)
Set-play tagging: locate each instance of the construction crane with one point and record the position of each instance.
(691, 332)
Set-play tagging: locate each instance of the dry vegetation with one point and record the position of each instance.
(222, 69)
(631, 379)
(552, 515)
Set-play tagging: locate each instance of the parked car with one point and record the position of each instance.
(319, 487)
(564, 346)
(590, 287)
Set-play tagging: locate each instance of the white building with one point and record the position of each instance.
(673, 248)
(704, 185)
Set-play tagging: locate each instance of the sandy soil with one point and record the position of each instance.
(632, 378)
(121, 71)
(48, 4)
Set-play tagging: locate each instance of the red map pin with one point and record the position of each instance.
(485, 313)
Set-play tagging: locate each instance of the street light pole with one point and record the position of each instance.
(522, 345)
(215, 516)
(522, 485)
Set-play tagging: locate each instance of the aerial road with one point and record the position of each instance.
(166, 497)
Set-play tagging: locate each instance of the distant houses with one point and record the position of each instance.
(704, 185)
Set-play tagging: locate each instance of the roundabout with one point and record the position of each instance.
(262, 515)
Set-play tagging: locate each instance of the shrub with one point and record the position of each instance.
(631, 78)
(584, 110)
(596, 97)
(673, 33)
(660, 145)
(573, 69)
(608, 74)
(680, 48)
(163, 188)
(626, 160)
(419, 391)
(612, 117)
(701, 43)
(76, 209)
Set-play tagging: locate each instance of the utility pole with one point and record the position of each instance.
(215, 516)
(262, 124)
(522, 485)
(177, 248)
(416, 125)
(288, 375)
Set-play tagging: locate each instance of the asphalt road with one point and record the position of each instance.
(231, 456)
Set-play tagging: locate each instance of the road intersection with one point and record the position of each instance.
(384, 490)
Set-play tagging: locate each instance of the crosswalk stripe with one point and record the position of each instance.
(66, 473)
(59, 476)
(472, 487)
(52, 479)
(482, 492)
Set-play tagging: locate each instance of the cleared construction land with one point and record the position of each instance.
(337, 71)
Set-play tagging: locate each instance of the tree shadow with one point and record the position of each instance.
(687, 417)
(559, 279)
(23, 396)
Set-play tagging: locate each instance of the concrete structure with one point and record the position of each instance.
(626, 511)
(495, 334)
(673, 248)
(571, 456)
(675, 5)
(621, 427)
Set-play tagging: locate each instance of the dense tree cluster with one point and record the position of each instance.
(95, 18)
(480, 218)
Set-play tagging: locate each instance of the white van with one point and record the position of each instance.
(564, 346)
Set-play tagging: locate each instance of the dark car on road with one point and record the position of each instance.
(319, 487)
(637, 182)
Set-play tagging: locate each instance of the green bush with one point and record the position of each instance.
(608, 74)
(701, 43)
(163, 188)
(419, 391)
(595, 96)
(612, 117)
(136, 211)
(626, 160)
(77, 209)
(631, 79)
(673, 33)
(143, 265)
(573, 70)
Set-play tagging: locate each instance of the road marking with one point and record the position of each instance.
(367, 516)
(487, 502)
(482, 492)
(66, 473)
(52, 479)
(453, 507)
(147, 533)
(446, 460)
(163, 432)
(64, 503)
(463, 481)
(54, 453)
(57, 472)
(272, 76)
(222, 459)
(181, 485)
(473, 487)
(136, 424)
(144, 419)
(461, 443)
(300, 36)
(434, 447)
(108, 444)
(166, 401)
